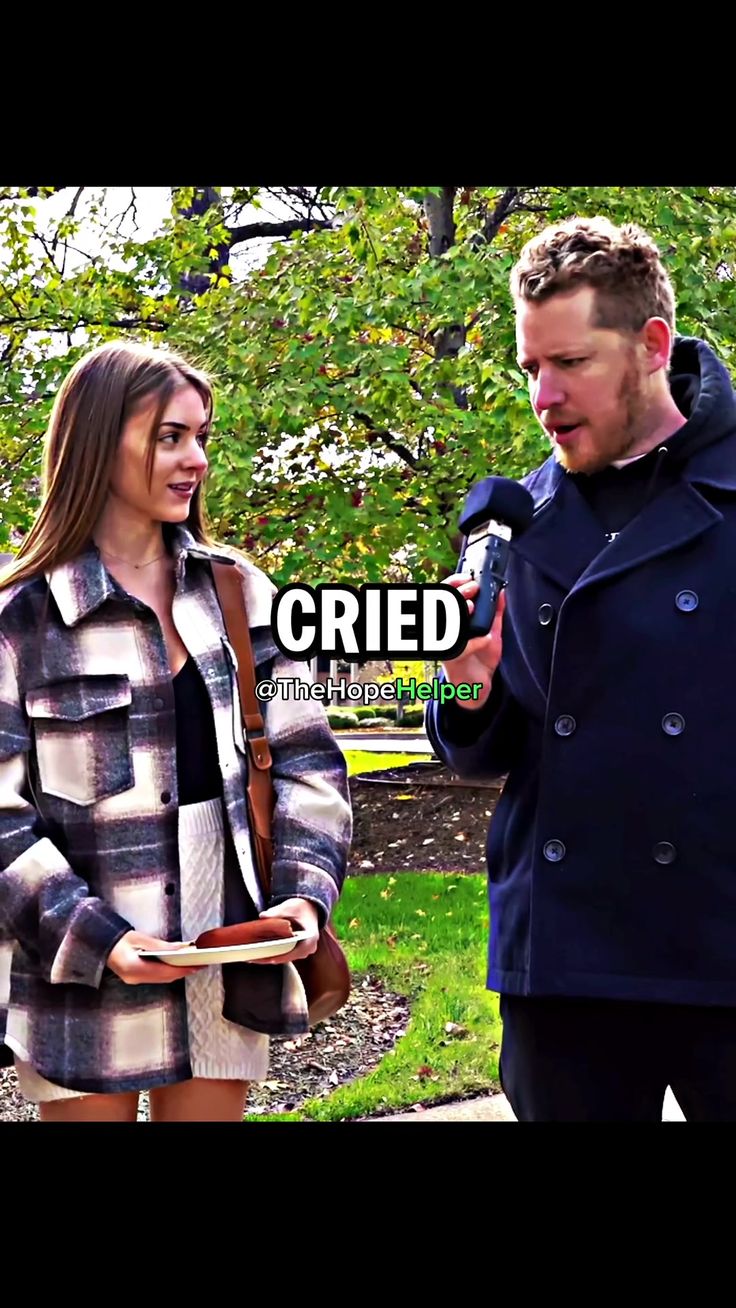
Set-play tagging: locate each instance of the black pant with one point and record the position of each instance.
(602, 1060)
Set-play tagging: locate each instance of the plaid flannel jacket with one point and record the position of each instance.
(88, 812)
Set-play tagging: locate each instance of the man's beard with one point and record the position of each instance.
(620, 438)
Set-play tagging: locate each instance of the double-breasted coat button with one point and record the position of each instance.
(165, 796)
(664, 852)
(545, 614)
(686, 601)
(565, 725)
(554, 851)
(673, 724)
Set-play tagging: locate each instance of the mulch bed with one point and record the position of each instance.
(301, 1068)
(424, 818)
(335, 1052)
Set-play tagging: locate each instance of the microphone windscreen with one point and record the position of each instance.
(498, 498)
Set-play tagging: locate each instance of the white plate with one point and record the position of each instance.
(193, 957)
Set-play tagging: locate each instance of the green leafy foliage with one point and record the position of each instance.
(340, 449)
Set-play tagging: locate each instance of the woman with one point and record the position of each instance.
(123, 822)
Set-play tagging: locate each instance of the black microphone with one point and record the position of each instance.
(495, 508)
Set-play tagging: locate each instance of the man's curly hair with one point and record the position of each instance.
(622, 264)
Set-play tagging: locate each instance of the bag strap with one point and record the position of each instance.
(229, 589)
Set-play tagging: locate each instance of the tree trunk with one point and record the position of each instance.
(448, 340)
(439, 215)
(205, 197)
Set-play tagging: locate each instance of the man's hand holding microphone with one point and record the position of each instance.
(494, 510)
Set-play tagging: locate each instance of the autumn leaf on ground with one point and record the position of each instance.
(454, 1029)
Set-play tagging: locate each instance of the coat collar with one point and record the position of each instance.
(83, 584)
(566, 542)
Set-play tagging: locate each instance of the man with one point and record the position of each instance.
(609, 698)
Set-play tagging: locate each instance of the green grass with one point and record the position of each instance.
(424, 935)
(360, 760)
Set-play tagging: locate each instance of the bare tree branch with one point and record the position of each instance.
(9, 351)
(7, 296)
(69, 214)
(37, 236)
(388, 439)
(285, 196)
(502, 209)
(14, 463)
(41, 324)
(91, 258)
(134, 206)
(531, 208)
(252, 231)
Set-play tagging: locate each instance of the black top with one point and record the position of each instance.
(197, 764)
(702, 391)
(616, 495)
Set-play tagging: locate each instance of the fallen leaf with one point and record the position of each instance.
(366, 862)
(428, 841)
(425, 1071)
(333, 1078)
(454, 1029)
(418, 1108)
(354, 922)
(420, 912)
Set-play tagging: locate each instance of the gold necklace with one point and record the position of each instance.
(137, 566)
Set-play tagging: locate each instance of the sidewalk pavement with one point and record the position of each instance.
(495, 1108)
(388, 742)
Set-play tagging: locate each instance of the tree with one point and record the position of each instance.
(365, 366)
